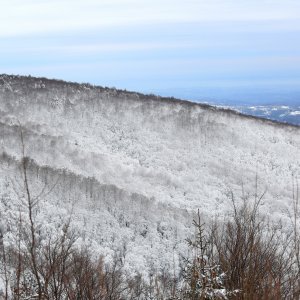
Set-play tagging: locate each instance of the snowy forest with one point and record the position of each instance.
(109, 194)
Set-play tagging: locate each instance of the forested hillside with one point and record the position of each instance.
(127, 172)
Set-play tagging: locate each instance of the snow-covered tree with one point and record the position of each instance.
(203, 276)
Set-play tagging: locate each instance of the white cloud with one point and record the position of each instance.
(99, 47)
(25, 17)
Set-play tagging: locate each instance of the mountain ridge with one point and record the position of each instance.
(142, 96)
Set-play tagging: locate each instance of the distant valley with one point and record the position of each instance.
(281, 113)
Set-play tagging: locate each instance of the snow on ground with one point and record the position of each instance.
(295, 113)
(133, 169)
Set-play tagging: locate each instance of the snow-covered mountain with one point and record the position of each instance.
(130, 170)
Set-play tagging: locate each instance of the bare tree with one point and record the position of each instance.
(4, 266)
(252, 252)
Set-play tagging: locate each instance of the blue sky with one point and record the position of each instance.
(246, 51)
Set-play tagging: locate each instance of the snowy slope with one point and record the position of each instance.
(132, 169)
